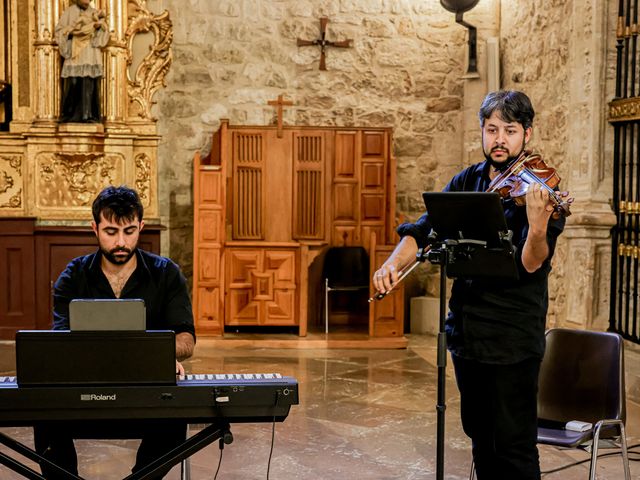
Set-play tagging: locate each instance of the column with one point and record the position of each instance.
(114, 92)
(47, 64)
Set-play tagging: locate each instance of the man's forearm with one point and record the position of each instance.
(535, 251)
(184, 346)
(404, 253)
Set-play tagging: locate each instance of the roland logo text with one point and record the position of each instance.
(97, 397)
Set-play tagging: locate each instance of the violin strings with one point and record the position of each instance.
(552, 193)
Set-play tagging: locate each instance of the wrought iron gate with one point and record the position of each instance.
(624, 114)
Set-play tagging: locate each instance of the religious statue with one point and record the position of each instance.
(81, 34)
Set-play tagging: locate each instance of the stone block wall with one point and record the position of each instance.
(560, 53)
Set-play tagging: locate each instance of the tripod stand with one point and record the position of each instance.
(446, 253)
(490, 253)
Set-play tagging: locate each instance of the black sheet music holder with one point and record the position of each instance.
(473, 229)
(469, 238)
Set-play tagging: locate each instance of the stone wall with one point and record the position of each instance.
(562, 65)
(540, 68)
(404, 70)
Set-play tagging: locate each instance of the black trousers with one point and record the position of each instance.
(80, 100)
(56, 445)
(499, 414)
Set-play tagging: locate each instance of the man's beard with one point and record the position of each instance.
(502, 166)
(111, 257)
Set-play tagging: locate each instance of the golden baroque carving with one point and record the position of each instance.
(74, 179)
(150, 74)
(10, 181)
(6, 182)
(624, 110)
(15, 201)
(143, 178)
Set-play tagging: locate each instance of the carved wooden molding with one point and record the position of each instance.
(150, 74)
(143, 178)
(10, 181)
(624, 110)
(6, 182)
(74, 179)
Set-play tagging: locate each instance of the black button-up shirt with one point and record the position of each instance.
(496, 321)
(157, 280)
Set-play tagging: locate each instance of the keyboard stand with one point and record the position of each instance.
(217, 431)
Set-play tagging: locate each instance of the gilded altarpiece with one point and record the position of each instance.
(50, 172)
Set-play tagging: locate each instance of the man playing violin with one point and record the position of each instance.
(495, 328)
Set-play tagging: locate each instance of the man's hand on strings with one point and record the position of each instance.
(539, 206)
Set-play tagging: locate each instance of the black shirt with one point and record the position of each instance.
(496, 321)
(157, 280)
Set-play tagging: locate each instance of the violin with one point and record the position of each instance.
(527, 169)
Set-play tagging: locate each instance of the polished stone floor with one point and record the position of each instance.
(363, 414)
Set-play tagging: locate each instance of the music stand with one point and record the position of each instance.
(469, 238)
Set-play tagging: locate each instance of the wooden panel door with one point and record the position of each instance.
(345, 191)
(17, 290)
(373, 187)
(386, 316)
(209, 215)
(261, 286)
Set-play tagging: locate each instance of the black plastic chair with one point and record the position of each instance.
(345, 269)
(582, 378)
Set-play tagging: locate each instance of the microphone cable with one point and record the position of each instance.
(273, 434)
(227, 438)
(219, 460)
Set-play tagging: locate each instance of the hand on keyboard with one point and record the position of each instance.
(179, 370)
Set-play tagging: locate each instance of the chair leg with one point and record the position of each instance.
(594, 452)
(326, 306)
(623, 448)
(472, 473)
(185, 465)
(185, 470)
(625, 453)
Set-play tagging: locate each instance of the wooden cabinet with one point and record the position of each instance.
(268, 206)
(17, 273)
(31, 259)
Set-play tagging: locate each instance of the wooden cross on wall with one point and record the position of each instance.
(279, 103)
(323, 42)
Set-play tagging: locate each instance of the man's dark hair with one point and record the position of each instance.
(511, 105)
(120, 203)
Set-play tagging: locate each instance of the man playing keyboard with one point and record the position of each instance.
(119, 269)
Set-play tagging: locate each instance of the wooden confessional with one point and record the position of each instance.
(268, 204)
